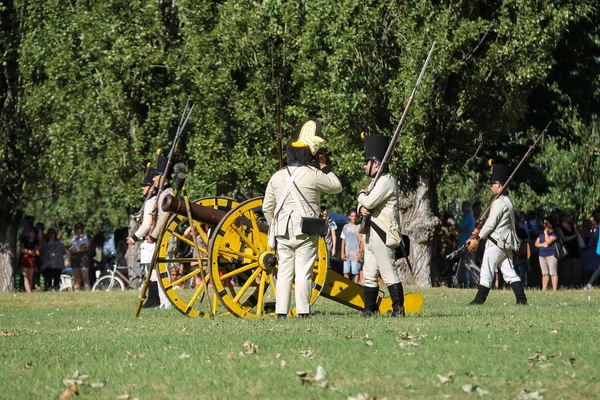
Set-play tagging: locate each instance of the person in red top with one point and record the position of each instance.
(29, 249)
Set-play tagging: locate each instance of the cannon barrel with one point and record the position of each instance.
(203, 214)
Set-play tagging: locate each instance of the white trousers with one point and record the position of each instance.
(296, 256)
(493, 258)
(379, 260)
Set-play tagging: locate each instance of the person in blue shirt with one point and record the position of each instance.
(465, 227)
(548, 262)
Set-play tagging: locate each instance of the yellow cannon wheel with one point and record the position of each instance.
(247, 267)
(175, 252)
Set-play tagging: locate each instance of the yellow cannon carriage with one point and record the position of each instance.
(241, 269)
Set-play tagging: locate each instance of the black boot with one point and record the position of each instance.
(481, 295)
(397, 294)
(519, 292)
(371, 294)
(281, 316)
(152, 301)
(303, 316)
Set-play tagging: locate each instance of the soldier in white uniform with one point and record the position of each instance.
(161, 215)
(147, 249)
(383, 234)
(502, 241)
(297, 247)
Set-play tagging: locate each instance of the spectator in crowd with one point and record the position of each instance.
(52, 253)
(29, 250)
(569, 267)
(41, 237)
(548, 262)
(465, 227)
(594, 240)
(96, 256)
(331, 237)
(79, 258)
(353, 248)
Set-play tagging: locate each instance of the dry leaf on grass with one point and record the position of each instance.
(354, 337)
(6, 333)
(306, 353)
(529, 394)
(70, 392)
(184, 355)
(406, 340)
(365, 396)
(124, 396)
(97, 385)
(251, 348)
(369, 343)
(468, 388)
(553, 331)
(447, 378)
(320, 374)
(76, 379)
(305, 376)
(77, 329)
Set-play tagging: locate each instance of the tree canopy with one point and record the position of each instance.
(92, 89)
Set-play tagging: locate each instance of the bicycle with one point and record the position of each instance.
(115, 280)
(458, 259)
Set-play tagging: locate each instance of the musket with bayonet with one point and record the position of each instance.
(388, 154)
(504, 187)
(182, 123)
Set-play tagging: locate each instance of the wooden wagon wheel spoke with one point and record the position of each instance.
(227, 251)
(175, 250)
(186, 277)
(272, 282)
(246, 285)
(245, 239)
(261, 293)
(261, 238)
(238, 271)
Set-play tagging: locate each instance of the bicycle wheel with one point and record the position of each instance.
(475, 273)
(108, 283)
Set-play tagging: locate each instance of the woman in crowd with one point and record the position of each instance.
(570, 266)
(96, 256)
(79, 259)
(53, 262)
(29, 249)
(548, 262)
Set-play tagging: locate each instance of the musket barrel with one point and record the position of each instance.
(203, 214)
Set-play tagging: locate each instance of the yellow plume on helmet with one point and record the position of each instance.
(308, 137)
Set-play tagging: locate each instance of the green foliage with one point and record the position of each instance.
(101, 85)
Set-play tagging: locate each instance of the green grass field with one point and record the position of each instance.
(548, 349)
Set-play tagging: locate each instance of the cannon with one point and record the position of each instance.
(231, 238)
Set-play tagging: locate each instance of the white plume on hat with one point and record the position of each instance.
(308, 137)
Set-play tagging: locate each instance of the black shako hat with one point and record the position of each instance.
(161, 164)
(500, 173)
(150, 174)
(376, 146)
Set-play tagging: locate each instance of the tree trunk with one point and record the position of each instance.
(133, 252)
(418, 222)
(9, 224)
